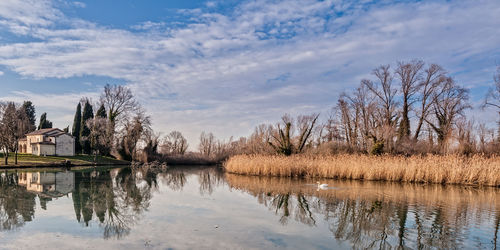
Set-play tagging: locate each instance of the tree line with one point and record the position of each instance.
(413, 108)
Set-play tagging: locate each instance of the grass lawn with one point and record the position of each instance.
(29, 159)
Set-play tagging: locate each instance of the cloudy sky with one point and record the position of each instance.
(226, 66)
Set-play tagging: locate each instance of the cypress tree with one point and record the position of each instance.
(87, 114)
(29, 109)
(44, 123)
(101, 112)
(77, 122)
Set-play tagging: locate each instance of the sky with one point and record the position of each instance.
(227, 66)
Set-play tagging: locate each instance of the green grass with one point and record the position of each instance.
(29, 159)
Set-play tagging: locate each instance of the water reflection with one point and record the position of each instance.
(360, 214)
(17, 205)
(384, 215)
(116, 198)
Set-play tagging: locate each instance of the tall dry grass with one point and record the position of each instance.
(449, 169)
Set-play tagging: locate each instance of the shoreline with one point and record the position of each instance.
(60, 165)
(450, 169)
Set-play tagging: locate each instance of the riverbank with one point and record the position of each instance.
(449, 169)
(33, 161)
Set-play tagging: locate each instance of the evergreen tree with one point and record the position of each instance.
(101, 112)
(87, 114)
(44, 123)
(77, 122)
(30, 112)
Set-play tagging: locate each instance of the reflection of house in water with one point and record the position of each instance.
(49, 184)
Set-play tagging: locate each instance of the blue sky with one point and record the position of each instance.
(226, 66)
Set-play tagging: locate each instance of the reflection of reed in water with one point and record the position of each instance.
(378, 214)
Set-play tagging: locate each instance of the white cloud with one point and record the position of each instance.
(213, 74)
(79, 4)
(1, 73)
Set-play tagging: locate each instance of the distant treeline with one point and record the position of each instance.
(415, 108)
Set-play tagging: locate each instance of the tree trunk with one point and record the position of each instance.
(6, 157)
(404, 127)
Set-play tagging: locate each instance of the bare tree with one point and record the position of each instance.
(493, 97)
(15, 124)
(132, 132)
(4, 135)
(385, 93)
(283, 135)
(98, 137)
(466, 142)
(332, 128)
(207, 144)
(118, 100)
(305, 126)
(150, 150)
(449, 103)
(258, 141)
(409, 75)
(363, 102)
(174, 143)
(433, 79)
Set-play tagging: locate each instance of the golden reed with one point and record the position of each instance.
(448, 169)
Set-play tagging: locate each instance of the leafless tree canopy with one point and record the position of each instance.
(449, 102)
(493, 97)
(131, 134)
(207, 144)
(118, 100)
(98, 135)
(409, 75)
(174, 144)
(288, 138)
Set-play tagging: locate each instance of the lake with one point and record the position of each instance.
(202, 207)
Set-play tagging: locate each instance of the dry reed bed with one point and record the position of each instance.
(428, 195)
(449, 169)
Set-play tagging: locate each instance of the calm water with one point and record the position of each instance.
(204, 208)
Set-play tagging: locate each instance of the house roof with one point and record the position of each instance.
(43, 143)
(55, 132)
(44, 131)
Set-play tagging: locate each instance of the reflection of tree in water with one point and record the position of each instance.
(287, 204)
(17, 205)
(116, 198)
(382, 215)
(116, 201)
(175, 180)
(209, 178)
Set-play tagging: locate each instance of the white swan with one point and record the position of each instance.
(322, 186)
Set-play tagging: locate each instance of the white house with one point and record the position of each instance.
(49, 141)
